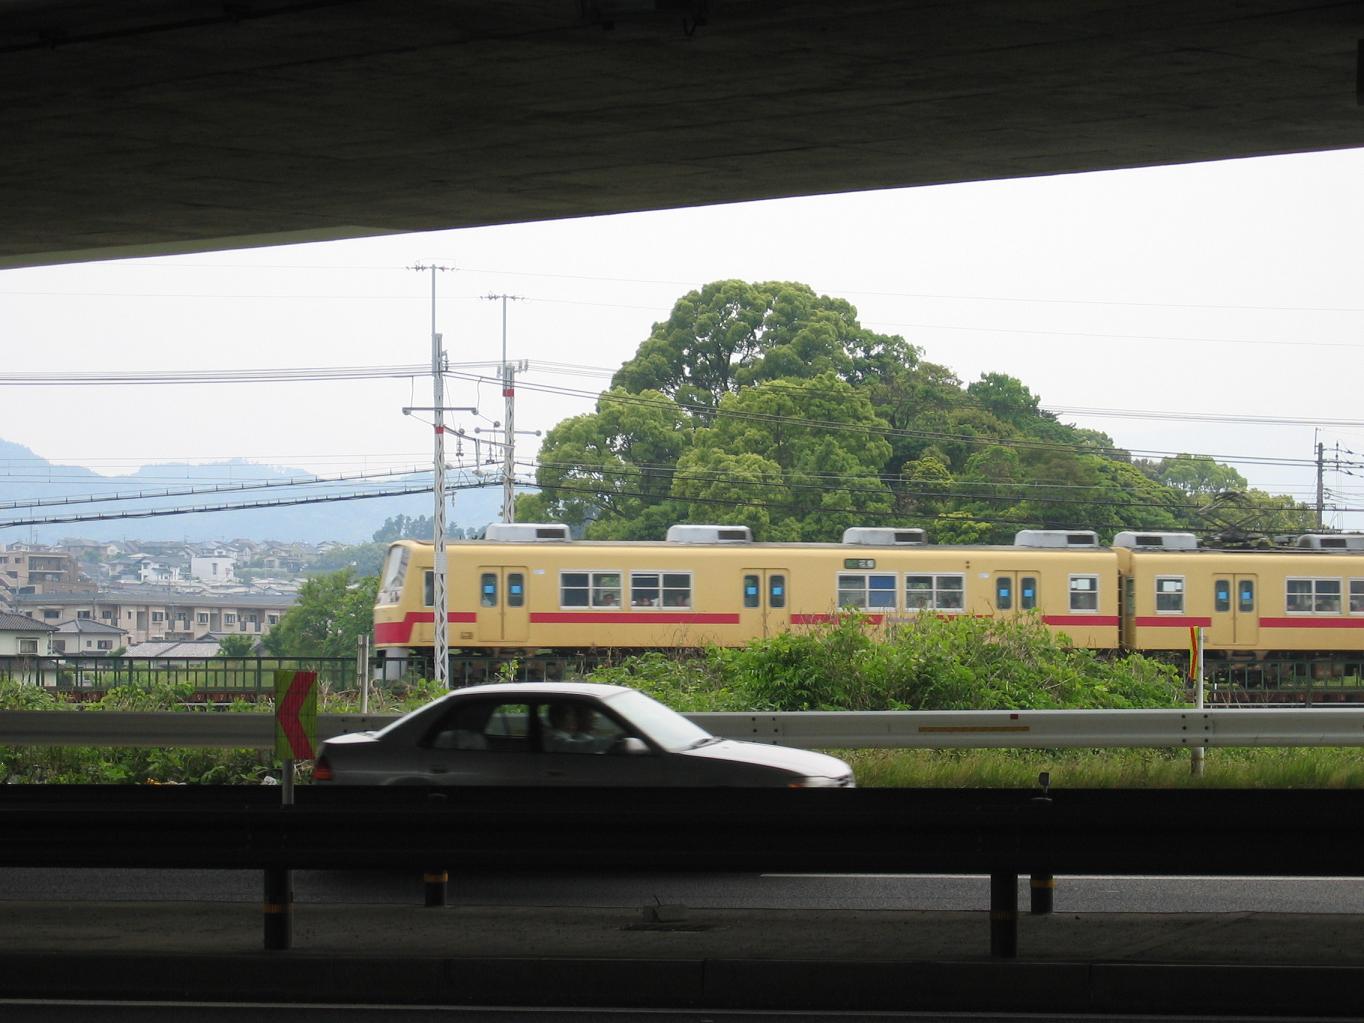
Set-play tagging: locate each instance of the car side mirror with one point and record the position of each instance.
(629, 746)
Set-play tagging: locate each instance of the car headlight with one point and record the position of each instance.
(824, 782)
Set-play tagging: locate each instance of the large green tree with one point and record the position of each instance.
(332, 612)
(769, 405)
(730, 335)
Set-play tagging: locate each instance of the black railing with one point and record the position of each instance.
(212, 678)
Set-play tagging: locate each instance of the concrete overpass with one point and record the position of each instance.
(158, 126)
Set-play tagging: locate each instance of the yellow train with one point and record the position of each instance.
(529, 591)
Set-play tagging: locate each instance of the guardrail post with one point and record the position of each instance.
(437, 884)
(279, 908)
(1004, 916)
(1043, 891)
(1042, 886)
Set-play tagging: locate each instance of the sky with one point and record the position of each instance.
(1208, 308)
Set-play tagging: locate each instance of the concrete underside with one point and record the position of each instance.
(156, 126)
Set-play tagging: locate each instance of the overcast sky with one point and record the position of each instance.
(1224, 290)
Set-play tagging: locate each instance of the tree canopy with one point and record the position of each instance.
(769, 405)
(331, 613)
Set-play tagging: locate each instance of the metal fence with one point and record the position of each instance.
(210, 678)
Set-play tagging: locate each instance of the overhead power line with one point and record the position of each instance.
(245, 506)
(217, 488)
(929, 435)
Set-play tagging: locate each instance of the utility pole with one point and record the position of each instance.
(1321, 486)
(440, 598)
(508, 419)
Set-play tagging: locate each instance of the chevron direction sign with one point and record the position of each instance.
(295, 715)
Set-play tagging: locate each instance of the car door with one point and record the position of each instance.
(1015, 591)
(582, 743)
(481, 742)
(764, 604)
(503, 614)
(1235, 621)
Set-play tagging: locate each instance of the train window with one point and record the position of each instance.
(1027, 593)
(1309, 596)
(395, 569)
(1326, 599)
(660, 589)
(1356, 596)
(516, 589)
(1221, 595)
(429, 589)
(866, 591)
(1246, 596)
(1084, 593)
(935, 592)
(1170, 594)
(1299, 595)
(589, 589)
(1004, 593)
(487, 590)
(606, 589)
(776, 591)
(752, 594)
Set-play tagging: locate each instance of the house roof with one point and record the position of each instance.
(89, 625)
(154, 596)
(175, 648)
(10, 622)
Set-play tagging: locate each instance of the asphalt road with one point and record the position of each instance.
(720, 891)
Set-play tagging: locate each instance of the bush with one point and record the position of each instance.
(931, 663)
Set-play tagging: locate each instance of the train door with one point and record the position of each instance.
(1015, 591)
(764, 601)
(1235, 619)
(502, 613)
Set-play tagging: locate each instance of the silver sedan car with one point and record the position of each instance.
(564, 733)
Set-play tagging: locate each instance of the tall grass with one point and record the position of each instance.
(1276, 768)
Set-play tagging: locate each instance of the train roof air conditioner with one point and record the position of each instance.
(1056, 538)
(1332, 541)
(688, 533)
(525, 532)
(879, 536)
(1156, 540)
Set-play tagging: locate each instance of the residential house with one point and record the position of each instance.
(87, 636)
(21, 636)
(212, 569)
(44, 569)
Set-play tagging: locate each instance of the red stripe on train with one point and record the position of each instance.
(1173, 622)
(631, 618)
(1109, 621)
(1312, 623)
(397, 633)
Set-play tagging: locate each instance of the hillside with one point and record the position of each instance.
(30, 477)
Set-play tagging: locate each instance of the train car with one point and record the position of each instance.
(1295, 603)
(528, 590)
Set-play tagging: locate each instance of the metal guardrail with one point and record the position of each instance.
(1003, 833)
(933, 729)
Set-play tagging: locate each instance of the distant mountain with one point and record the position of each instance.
(26, 476)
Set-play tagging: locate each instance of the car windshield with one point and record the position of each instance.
(663, 725)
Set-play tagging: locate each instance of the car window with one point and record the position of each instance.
(490, 725)
(652, 720)
(573, 726)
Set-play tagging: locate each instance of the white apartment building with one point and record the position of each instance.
(154, 614)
